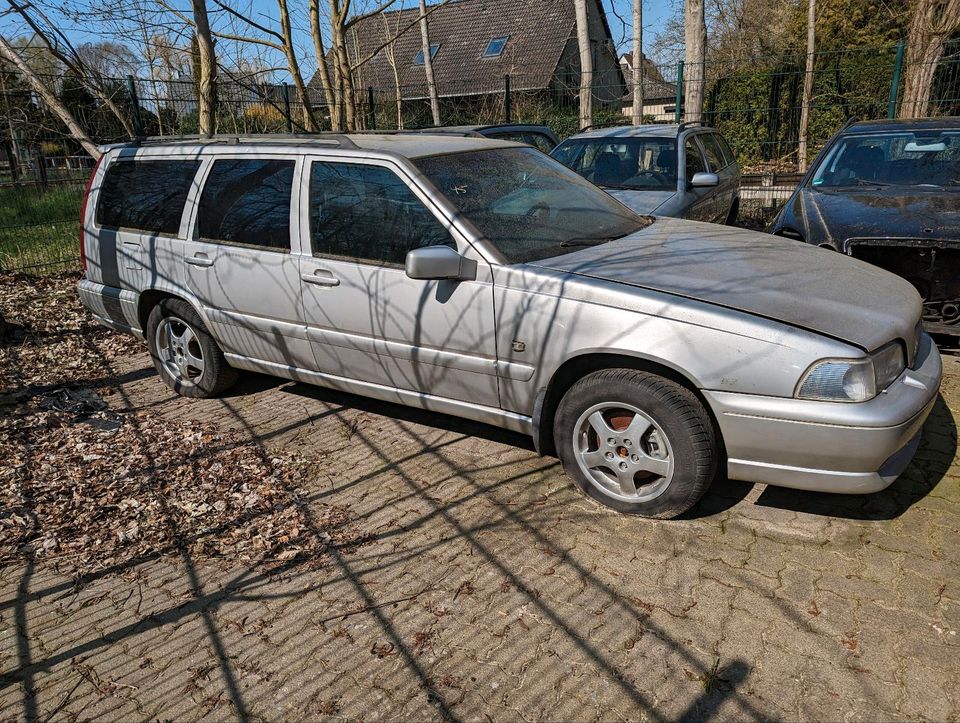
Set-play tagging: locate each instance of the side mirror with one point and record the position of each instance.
(439, 262)
(702, 180)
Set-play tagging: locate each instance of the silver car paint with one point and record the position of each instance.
(392, 334)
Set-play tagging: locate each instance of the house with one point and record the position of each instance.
(659, 96)
(475, 43)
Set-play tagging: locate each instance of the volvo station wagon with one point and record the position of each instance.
(483, 279)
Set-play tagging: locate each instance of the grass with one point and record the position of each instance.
(39, 228)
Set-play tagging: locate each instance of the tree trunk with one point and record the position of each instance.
(303, 95)
(637, 62)
(586, 63)
(391, 53)
(695, 54)
(807, 86)
(934, 21)
(50, 98)
(322, 68)
(428, 64)
(207, 86)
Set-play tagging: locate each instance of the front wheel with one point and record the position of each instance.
(185, 355)
(636, 442)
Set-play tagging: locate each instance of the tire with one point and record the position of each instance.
(183, 352)
(664, 456)
(733, 213)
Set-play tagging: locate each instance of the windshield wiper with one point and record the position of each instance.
(583, 242)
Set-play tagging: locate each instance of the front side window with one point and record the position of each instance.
(145, 195)
(714, 152)
(646, 164)
(912, 158)
(368, 214)
(247, 202)
(526, 204)
(694, 159)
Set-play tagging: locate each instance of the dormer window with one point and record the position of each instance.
(495, 47)
(434, 47)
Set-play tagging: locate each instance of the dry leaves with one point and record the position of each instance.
(94, 487)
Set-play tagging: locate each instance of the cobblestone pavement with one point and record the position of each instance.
(490, 590)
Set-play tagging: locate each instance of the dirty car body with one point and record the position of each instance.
(483, 279)
(888, 192)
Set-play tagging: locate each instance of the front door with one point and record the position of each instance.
(366, 319)
(238, 261)
(701, 200)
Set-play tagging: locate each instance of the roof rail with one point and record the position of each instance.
(341, 139)
(607, 124)
(690, 124)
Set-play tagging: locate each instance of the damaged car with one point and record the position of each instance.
(888, 193)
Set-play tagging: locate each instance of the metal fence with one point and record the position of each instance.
(756, 105)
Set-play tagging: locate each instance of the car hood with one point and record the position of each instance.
(895, 212)
(789, 281)
(643, 202)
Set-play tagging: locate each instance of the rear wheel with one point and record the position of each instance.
(185, 355)
(636, 442)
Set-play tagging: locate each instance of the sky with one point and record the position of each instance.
(655, 12)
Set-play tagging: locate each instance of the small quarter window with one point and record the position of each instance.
(495, 47)
(368, 214)
(145, 195)
(247, 202)
(434, 47)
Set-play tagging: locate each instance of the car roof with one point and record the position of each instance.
(902, 124)
(653, 130)
(407, 145)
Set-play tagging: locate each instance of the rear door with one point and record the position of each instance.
(700, 202)
(367, 320)
(239, 260)
(139, 210)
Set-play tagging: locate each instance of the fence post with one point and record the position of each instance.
(678, 113)
(372, 123)
(895, 81)
(135, 106)
(507, 109)
(286, 107)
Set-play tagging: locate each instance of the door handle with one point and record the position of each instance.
(321, 277)
(199, 260)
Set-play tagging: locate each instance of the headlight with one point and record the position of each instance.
(852, 380)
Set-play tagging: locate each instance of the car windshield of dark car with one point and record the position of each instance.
(927, 158)
(528, 205)
(642, 164)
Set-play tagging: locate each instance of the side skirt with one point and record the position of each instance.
(477, 412)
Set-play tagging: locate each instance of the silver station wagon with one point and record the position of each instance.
(483, 279)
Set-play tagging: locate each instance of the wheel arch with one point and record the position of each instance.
(575, 368)
(149, 298)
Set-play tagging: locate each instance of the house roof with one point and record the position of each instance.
(654, 86)
(538, 31)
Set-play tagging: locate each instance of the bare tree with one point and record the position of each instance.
(50, 98)
(807, 86)
(323, 71)
(428, 64)
(695, 54)
(934, 21)
(207, 72)
(637, 62)
(391, 53)
(86, 73)
(586, 63)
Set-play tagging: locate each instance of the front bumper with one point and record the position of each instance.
(829, 446)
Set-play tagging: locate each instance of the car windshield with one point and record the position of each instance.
(642, 164)
(927, 158)
(528, 205)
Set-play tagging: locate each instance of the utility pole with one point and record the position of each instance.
(637, 62)
(586, 64)
(807, 87)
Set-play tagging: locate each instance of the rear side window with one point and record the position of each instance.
(247, 202)
(368, 214)
(714, 153)
(145, 195)
(728, 153)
